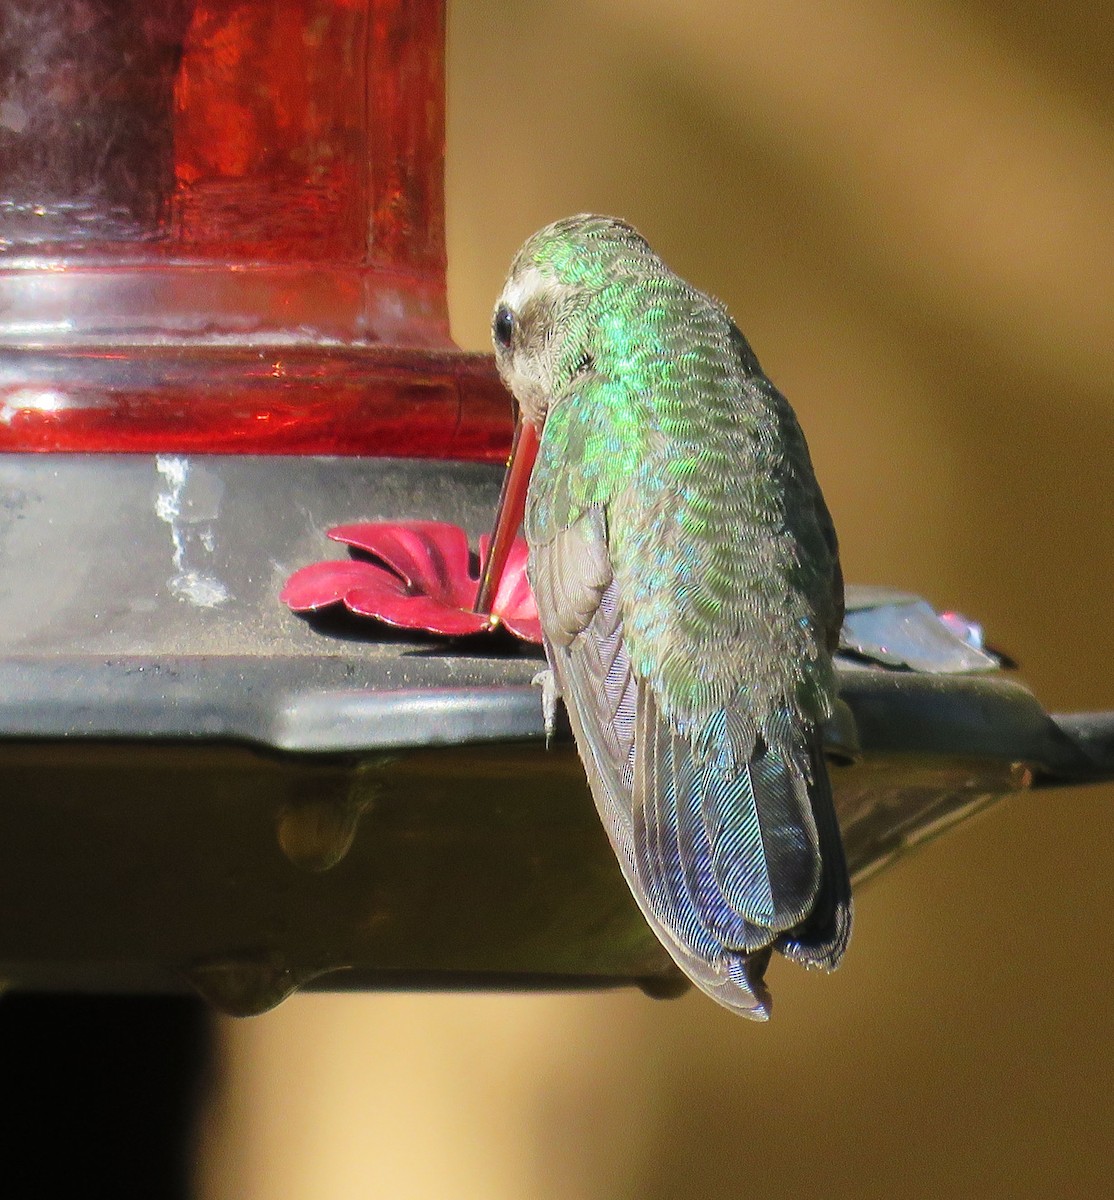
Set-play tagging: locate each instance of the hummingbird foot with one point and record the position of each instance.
(551, 693)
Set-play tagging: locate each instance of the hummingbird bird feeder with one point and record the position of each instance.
(223, 332)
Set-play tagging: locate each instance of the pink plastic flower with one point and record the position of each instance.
(425, 581)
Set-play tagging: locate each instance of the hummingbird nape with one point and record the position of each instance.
(687, 578)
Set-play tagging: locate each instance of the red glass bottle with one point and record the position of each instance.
(222, 230)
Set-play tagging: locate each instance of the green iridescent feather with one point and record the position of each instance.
(720, 540)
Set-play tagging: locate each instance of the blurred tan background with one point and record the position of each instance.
(909, 208)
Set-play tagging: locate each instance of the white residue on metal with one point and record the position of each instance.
(189, 502)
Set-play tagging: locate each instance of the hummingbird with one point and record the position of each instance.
(687, 579)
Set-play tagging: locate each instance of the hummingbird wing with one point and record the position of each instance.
(583, 631)
(641, 774)
(722, 820)
(727, 559)
(738, 860)
(708, 855)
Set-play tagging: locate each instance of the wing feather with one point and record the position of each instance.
(721, 852)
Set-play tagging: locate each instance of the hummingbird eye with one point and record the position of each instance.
(503, 326)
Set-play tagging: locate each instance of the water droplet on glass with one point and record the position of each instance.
(251, 984)
(317, 834)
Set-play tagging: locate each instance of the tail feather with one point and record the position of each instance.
(821, 939)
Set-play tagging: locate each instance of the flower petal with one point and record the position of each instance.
(514, 603)
(514, 593)
(432, 556)
(425, 582)
(529, 629)
(415, 612)
(324, 583)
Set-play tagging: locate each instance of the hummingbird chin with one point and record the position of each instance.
(687, 578)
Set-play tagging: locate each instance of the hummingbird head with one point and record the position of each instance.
(542, 328)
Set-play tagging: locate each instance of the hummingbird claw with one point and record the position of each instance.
(551, 693)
